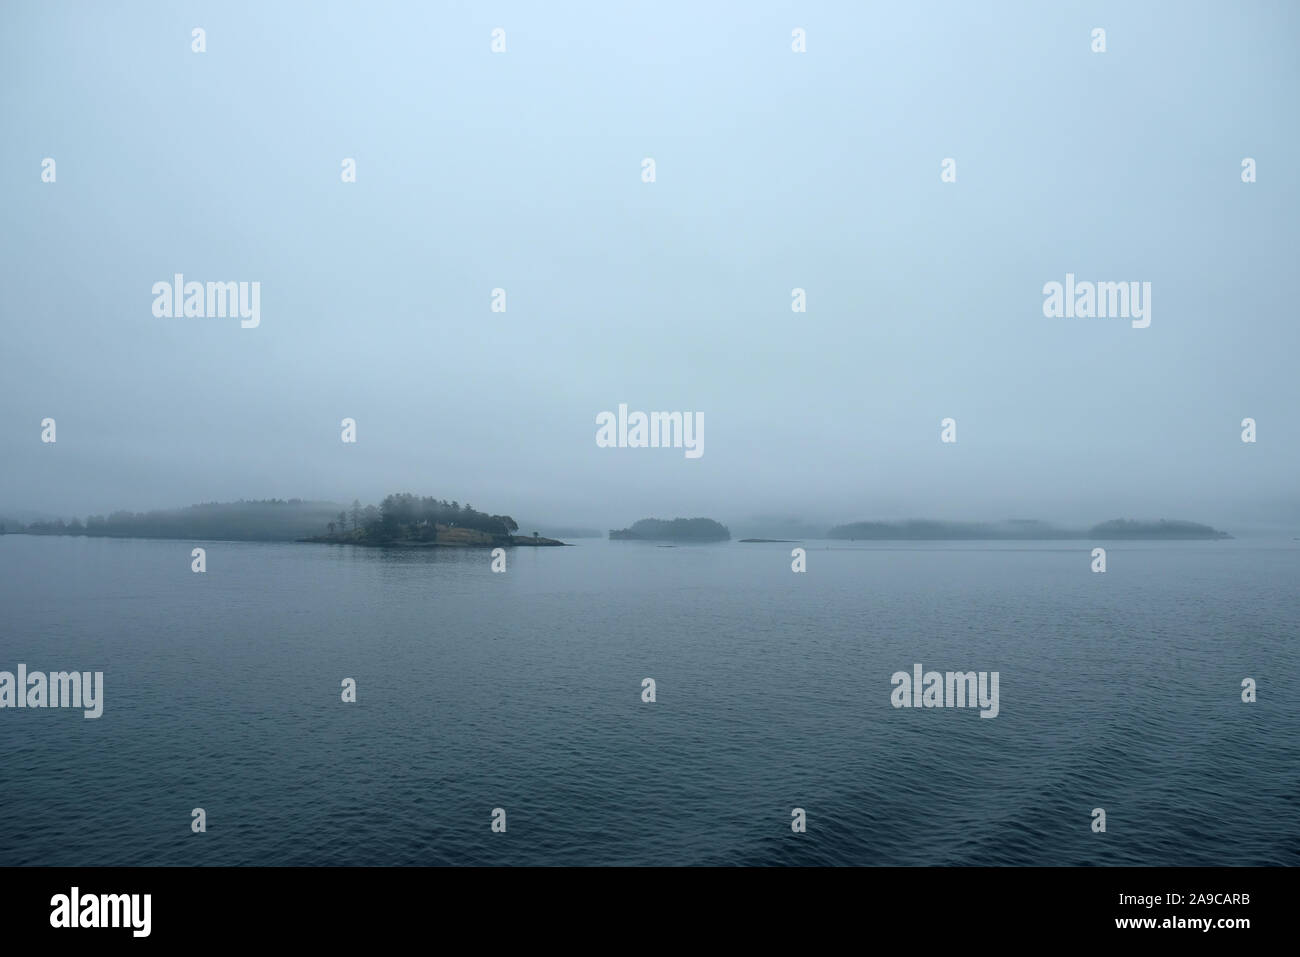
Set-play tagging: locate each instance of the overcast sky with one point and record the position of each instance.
(522, 170)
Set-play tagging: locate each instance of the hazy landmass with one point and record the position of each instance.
(408, 519)
(398, 519)
(1022, 529)
(1161, 529)
(267, 520)
(677, 530)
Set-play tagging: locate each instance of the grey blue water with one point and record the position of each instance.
(523, 691)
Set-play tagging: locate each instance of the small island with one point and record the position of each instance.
(677, 530)
(427, 522)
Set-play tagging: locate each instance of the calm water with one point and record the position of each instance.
(522, 691)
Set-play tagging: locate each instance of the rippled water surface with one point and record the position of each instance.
(523, 691)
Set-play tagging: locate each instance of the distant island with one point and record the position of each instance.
(1162, 529)
(1023, 530)
(400, 519)
(677, 530)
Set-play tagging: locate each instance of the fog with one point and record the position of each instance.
(774, 170)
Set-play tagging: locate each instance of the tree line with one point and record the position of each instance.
(404, 516)
(397, 517)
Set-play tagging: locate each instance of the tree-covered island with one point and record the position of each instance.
(405, 519)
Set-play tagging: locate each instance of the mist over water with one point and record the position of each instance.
(946, 261)
(523, 691)
(776, 171)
